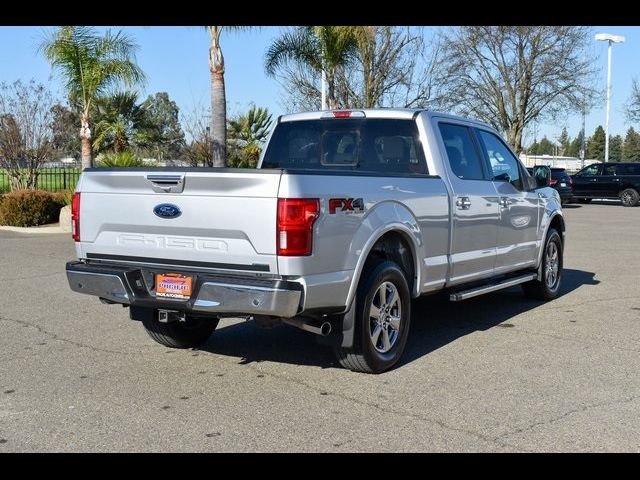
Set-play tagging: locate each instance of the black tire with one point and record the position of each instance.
(364, 356)
(629, 197)
(540, 289)
(584, 200)
(189, 334)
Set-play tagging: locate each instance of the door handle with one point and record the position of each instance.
(593, 180)
(504, 202)
(463, 203)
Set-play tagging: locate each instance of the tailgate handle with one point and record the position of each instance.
(166, 183)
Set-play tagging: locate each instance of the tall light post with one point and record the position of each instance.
(607, 37)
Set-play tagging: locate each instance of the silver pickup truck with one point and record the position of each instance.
(349, 215)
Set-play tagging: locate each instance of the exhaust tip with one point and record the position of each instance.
(325, 329)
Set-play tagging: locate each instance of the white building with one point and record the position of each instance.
(571, 164)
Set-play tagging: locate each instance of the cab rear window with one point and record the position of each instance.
(362, 145)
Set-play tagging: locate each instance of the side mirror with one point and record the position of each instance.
(542, 175)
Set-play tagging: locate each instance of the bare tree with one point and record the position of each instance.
(392, 67)
(199, 148)
(509, 76)
(633, 104)
(25, 131)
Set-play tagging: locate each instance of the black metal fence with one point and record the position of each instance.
(50, 179)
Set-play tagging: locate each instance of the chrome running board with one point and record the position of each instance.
(474, 292)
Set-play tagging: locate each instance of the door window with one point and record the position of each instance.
(504, 166)
(461, 152)
(609, 170)
(590, 171)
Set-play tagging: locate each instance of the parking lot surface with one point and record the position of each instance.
(494, 373)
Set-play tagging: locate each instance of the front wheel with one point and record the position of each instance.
(188, 334)
(629, 197)
(549, 286)
(383, 314)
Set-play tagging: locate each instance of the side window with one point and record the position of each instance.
(590, 171)
(504, 165)
(629, 169)
(609, 170)
(461, 152)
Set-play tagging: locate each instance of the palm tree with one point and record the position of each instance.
(252, 127)
(218, 118)
(119, 120)
(324, 49)
(91, 64)
(247, 133)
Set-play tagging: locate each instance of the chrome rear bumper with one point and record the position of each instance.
(243, 296)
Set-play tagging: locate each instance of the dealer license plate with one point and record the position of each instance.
(173, 285)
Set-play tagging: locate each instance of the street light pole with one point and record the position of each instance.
(611, 39)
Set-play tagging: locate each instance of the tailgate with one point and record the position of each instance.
(224, 219)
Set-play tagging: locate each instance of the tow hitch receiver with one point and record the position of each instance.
(168, 316)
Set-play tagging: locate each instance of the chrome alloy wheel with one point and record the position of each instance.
(552, 265)
(385, 315)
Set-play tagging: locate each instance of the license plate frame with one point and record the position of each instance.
(174, 286)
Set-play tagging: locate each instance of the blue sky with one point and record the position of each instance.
(175, 60)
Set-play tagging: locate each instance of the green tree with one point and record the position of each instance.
(576, 145)
(546, 147)
(615, 148)
(218, 117)
(631, 146)
(121, 123)
(534, 148)
(322, 49)
(247, 133)
(564, 142)
(164, 132)
(596, 144)
(90, 64)
(65, 126)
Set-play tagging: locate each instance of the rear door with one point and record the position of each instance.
(198, 218)
(608, 184)
(516, 246)
(584, 182)
(474, 206)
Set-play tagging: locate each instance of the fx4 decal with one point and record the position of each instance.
(346, 205)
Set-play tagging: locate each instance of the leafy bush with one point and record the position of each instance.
(28, 208)
(122, 159)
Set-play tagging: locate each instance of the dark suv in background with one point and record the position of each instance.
(608, 180)
(562, 182)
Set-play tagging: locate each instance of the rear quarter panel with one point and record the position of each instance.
(417, 206)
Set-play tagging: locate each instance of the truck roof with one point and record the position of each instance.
(401, 113)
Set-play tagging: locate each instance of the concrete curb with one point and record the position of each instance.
(50, 228)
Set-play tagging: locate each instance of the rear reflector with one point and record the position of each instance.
(295, 220)
(75, 216)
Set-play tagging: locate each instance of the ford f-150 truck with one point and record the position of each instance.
(348, 217)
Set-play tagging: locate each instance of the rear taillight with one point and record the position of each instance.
(554, 181)
(295, 220)
(75, 216)
(570, 180)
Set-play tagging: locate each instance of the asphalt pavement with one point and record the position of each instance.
(494, 373)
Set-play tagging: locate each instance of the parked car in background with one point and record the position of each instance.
(562, 182)
(611, 180)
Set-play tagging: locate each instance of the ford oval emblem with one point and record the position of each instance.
(167, 210)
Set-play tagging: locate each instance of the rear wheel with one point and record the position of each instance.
(383, 314)
(584, 200)
(629, 197)
(549, 286)
(188, 334)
